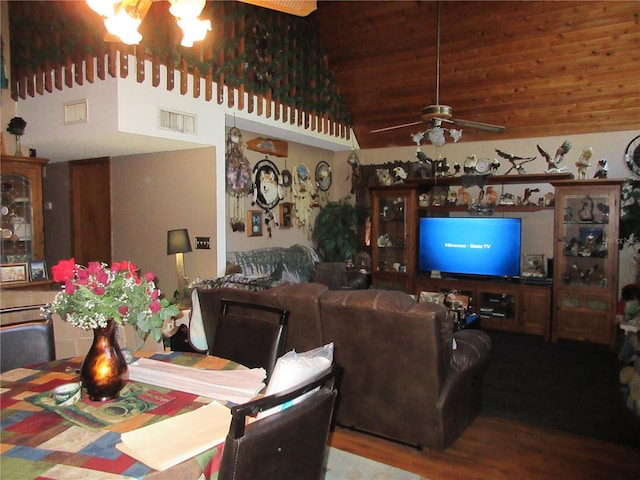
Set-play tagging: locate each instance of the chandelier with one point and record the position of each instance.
(122, 18)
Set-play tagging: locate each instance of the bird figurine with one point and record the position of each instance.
(585, 276)
(527, 195)
(553, 163)
(399, 175)
(513, 159)
(603, 169)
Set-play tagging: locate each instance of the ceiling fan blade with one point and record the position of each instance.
(396, 127)
(478, 125)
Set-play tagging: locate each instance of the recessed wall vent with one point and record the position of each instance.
(76, 112)
(177, 122)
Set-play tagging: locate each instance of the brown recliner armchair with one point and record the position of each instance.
(402, 378)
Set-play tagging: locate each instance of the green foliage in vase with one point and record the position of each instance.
(335, 230)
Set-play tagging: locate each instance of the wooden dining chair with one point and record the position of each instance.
(250, 334)
(287, 445)
(26, 343)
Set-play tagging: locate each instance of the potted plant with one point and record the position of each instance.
(335, 230)
(630, 218)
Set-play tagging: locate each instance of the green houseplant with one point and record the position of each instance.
(335, 230)
(630, 218)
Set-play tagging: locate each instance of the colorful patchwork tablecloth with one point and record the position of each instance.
(43, 441)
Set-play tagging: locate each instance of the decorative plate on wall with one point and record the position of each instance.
(632, 155)
(267, 189)
(323, 176)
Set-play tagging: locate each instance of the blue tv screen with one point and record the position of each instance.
(470, 246)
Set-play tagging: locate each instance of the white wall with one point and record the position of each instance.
(154, 193)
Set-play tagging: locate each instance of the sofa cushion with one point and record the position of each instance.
(331, 274)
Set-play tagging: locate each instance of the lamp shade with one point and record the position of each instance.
(178, 241)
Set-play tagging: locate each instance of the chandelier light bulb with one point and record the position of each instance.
(125, 27)
(193, 30)
(186, 8)
(104, 8)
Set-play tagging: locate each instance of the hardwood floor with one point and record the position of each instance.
(495, 448)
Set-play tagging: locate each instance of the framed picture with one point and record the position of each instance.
(38, 270)
(254, 220)
(14, 272)
(534, 265)
(286, 215)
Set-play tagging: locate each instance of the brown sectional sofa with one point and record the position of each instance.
(401, 377)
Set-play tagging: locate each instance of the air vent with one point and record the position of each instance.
(178, 122)
(76, 112)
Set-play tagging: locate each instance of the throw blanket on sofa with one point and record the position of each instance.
(262, 269)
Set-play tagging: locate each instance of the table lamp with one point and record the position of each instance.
(178, 243)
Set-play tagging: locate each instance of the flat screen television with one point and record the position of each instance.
(460, 246)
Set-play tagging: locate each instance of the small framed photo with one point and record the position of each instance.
(286, 215)
(534, 265)
(254, 220)
(14, 272)
(38, 270)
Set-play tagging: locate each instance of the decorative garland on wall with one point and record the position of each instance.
(263, 51)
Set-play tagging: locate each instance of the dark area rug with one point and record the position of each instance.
(569, 386)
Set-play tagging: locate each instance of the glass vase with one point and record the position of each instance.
(18, 152)
(104, 370)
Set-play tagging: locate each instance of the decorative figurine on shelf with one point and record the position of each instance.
(583, 162)
(16, 127)
(585, 276)
(384, 177)
(463, 196)
(568, 214)
(513, 160)
(399, 175)
(585, 213)
(549, 199)
(603, 169)
(495, 165)
(604, 210)
(507, 199)
(491, 196)
(527, 196)
(553, 163)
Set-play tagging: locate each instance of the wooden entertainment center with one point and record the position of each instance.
(578, 303)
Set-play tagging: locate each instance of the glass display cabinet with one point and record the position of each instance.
(585, 285)
(21, 225)
(393, 237)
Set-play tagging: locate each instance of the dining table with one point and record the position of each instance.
(42, 440)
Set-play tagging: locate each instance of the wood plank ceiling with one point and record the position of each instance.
(539, 68)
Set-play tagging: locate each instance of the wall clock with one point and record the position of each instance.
(323, 176)
(632, 155)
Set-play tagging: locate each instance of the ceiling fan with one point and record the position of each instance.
(436, 115)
